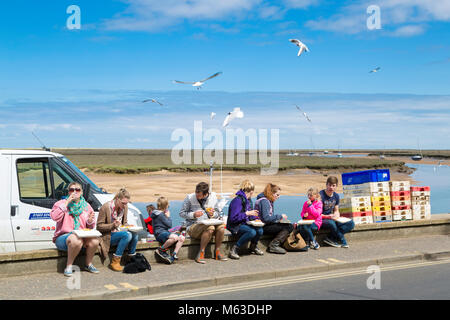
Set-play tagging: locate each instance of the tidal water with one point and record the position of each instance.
(438, 178)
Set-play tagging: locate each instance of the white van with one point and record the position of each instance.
(31, 182)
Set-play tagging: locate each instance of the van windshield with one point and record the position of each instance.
(81, 173)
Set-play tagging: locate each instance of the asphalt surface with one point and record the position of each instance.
(423, 281)
(187, 274)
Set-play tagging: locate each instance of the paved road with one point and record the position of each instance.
(424, 280)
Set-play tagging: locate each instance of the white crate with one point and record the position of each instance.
(420, 202)
(420, 193)
(417, 208)
(398, 215)
(401, 203)
(362, 201)
(421, 216)
(356, 193)
(380, 194)
(363, 220)
(399, 185)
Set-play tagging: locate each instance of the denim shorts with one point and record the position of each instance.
(162, 237)
(61, 241)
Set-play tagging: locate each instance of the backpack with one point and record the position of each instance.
(295, 242)
(138, 263)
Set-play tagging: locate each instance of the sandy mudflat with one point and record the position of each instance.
(147, 187)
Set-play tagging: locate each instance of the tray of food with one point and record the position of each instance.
(87, 233)
(211, 222)
(131, 228)
(256, 223)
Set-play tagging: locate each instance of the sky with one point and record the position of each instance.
(83, 88)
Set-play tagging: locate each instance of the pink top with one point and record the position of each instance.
(65, 222)
(314, 212)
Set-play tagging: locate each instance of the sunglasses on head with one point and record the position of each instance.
(74, 189)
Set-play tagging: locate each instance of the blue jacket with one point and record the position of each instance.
(236, 211)
(160, 222)
(265, 208)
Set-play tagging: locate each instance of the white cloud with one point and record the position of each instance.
(398, 17)
(153, 15)
(408, 31)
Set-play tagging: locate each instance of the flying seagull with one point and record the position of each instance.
(375, 70)
(198, 84)
(152, 100)
(213, 114)
(236, 113)
(304, 113)
(301, 45)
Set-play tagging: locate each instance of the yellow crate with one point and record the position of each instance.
(381, 199)
(381, 208)
(355, 209)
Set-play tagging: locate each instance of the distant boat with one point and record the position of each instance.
(339, 155)
(418, 157)
(325, 152)
(292, 154)
(382, 156)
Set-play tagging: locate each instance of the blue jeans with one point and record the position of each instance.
(247, 233)
(162, 237)
(337, 230)
(124, 239)
(306, 231)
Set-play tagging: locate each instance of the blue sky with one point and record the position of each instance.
(82, 88)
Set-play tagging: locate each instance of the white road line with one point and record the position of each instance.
(298, 279)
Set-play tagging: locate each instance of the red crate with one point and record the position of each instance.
(401, 208)
(400, 193)
(420, 189)
(357, 214)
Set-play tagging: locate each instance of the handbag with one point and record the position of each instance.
(295, 242)
(138, 263)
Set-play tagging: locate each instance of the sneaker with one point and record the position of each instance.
(234, 253)
(331, 242)
(163, 255)
(314, 245)
(200, 257)
(219, 256)
(344, 243)
(257, 251)
(92, 269)
(174, 256)
(68, 271)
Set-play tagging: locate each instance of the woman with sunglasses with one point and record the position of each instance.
(71, 214)
(111, 216)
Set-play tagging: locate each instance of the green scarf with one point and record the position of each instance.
(76, 209)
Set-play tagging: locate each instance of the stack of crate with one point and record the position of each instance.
(359, 188)
(400, 200)
(357, 208)
(420, 203)
(380, 201)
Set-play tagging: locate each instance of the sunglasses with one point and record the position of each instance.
(75, 189)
